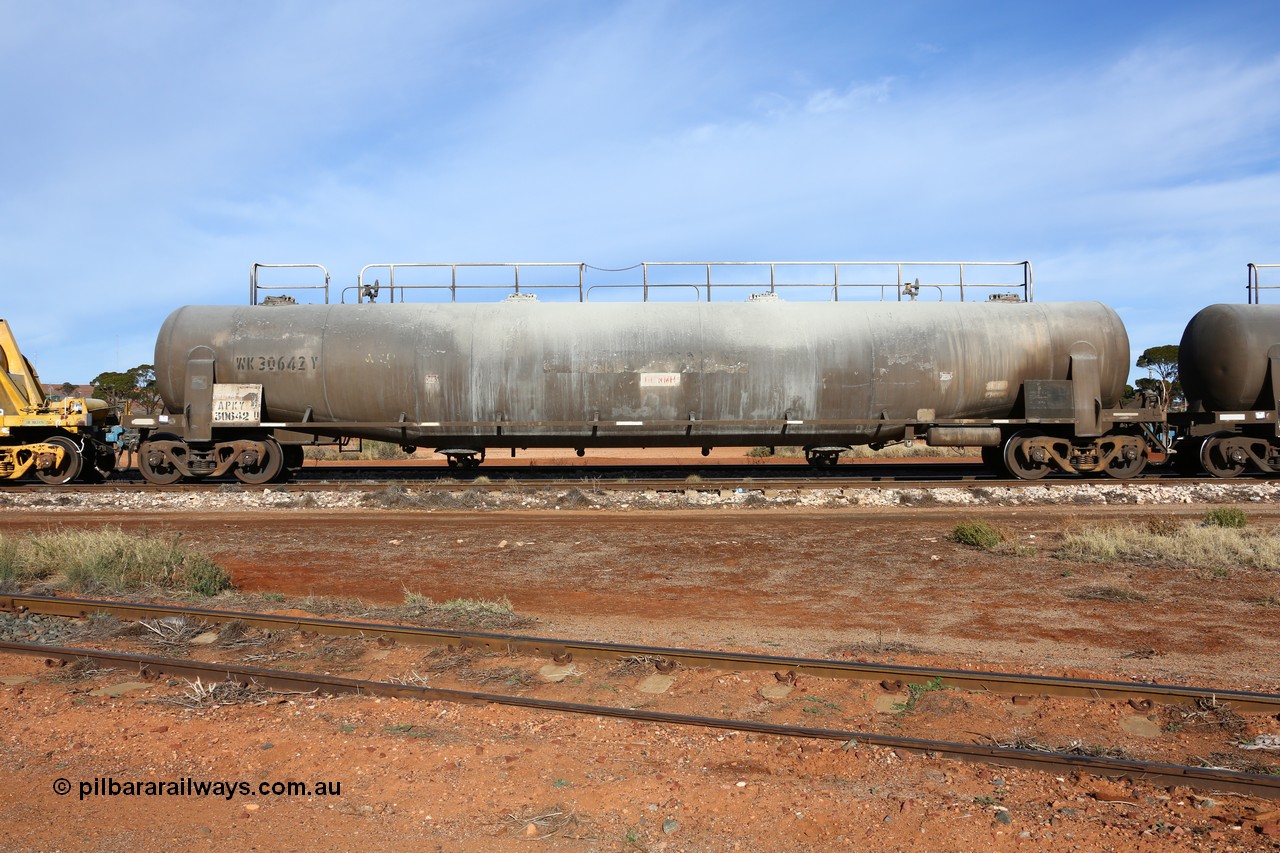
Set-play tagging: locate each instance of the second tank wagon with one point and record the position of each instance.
(1229, 366)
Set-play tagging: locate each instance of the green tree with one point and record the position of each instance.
(1161, 364)
(135, 387)
(147, 396)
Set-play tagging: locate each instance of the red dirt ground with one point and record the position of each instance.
(864, 583)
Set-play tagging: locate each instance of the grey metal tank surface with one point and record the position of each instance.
(1224, 357)
(594, 374)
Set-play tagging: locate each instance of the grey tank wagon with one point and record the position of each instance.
(1036, 385)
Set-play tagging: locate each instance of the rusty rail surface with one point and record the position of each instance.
(563, 650)
(436, 478)
(1155, 773)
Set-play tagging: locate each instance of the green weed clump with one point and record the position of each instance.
(1225, 516)
(979, 534)
(108, 560)
(916, 691)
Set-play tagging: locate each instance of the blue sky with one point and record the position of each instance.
(153, 150)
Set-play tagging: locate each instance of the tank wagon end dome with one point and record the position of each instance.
(1224, 356)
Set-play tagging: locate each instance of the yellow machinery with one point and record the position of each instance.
(59, 441)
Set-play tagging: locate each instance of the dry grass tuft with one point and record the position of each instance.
(1117, 594)
(369, 450)
(99, 626)
(1075, 747)
(1162, 525)
(460, 665)
(272, 657)
(444, 659)
(462, 612)
(511, 676)
(81, 669)
(546, 822)
(199, 695)
(636, 664)
(1207, 714)
(1201, 547)
(574, 498)
(238, 634)
(172, 632)
(107, 560)
(1240, 764)
(878, 646)
(413, 679)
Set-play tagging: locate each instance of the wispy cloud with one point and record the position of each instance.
(855, 95)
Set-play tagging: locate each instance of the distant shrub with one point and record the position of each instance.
(979, 534)
(1225, 516)
(202, 576)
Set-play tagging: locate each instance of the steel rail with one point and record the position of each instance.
(558, 649)
(1156, 773)
(755, 482)
(427, 478)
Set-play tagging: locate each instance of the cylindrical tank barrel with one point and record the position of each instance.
(1224, 357)
(556, 366)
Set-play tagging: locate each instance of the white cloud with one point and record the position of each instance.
(857, 94)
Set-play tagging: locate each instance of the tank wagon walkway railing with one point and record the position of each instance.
(677, 281)
(1255, 281)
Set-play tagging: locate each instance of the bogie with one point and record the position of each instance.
(61, 464)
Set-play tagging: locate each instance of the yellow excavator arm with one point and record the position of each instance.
(20, 390)
(58, 442)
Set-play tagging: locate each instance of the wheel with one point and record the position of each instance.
(256, 469)
(1019, 456)
(993, 458)
(1220, 458)
(153, 465)
(1122, 468)
(70, 467)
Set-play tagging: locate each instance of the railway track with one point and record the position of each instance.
(565, 650)
(630, 478)
(1143, 696)
(1203, 778)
